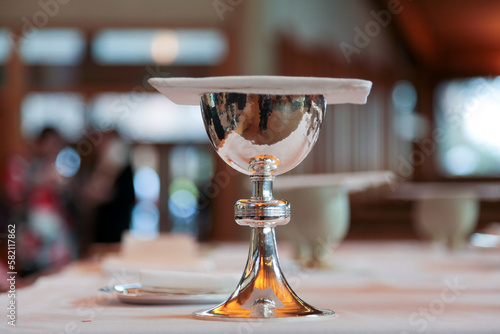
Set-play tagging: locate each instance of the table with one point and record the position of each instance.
(375, 287)
(484, 191)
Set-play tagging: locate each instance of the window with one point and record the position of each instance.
(148, 117)
(467, 116)
(58, 47)
(62, 111)
(176, 47)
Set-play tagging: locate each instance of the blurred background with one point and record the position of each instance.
(88, 149)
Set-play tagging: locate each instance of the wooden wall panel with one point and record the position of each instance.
(353, 137)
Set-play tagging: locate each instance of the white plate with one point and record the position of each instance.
(133, 294)
(188, 90)
(485, 241)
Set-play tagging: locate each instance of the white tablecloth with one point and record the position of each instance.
(376, 287)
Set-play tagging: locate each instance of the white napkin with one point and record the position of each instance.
(167, 252)
(188, 282)
(188, 90)
(166, 245)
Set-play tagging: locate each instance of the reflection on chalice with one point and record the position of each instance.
(263, 127)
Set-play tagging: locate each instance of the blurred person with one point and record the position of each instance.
(38, 198)
(106, 191)
(4, 222)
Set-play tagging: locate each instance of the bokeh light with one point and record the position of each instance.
(461, 160)
(145, 220)
(68, 162)
(147, 184)
(404, 96)
(183, 204)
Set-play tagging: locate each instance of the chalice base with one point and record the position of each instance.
(263, 292)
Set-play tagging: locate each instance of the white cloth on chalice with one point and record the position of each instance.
(188, 90)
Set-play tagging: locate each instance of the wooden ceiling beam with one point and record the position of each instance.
(418, 35)
(471, 63)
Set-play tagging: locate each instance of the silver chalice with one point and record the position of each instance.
(263, 127)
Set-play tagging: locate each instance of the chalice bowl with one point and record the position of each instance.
(263, 126)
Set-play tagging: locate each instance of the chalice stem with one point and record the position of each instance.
(263, 291)
(263, 285)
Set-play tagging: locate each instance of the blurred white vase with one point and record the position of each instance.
(320, 221)
(446, 220)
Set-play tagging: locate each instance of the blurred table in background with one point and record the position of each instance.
(320, 205)
(485, 191)
(351, 182)
(389, 216)
(376, 287)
